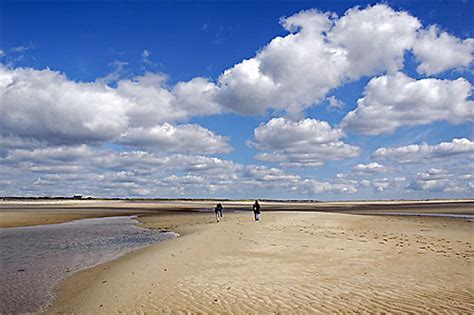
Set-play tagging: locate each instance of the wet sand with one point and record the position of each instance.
(290, 262)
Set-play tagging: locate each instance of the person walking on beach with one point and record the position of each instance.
(218, 211)
(256, 210)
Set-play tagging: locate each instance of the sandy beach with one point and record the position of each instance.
(290, 262)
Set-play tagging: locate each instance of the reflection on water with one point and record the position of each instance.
(33, 259)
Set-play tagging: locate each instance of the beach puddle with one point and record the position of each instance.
(34, 259)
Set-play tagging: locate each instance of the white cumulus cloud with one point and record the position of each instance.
(182, 138)
(370, 168)
(321, 52)
(374, 38)
(305, 143)
(420, 153)
(439, 51)
(393, 101)
(45, 106)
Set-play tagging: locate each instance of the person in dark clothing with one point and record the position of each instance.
(256, 210)
(218, 211)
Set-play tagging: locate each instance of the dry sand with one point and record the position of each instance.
(301, 262)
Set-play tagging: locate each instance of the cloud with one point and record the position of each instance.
(335, 103)
(15, 142)
(119, 71)
(364, 183)
(393, 101)
(292, 72)
(305, 143)
(439, 51)
(436, 180)
(45, 106)
(100, 172)
(153, 102)
(312, 186)
(420, 153)
(374, 39)
(274, 178)
(23, 48)
(51, 154)
(271, 174)
(184, 180)
(2, 53)
(295, 71)
(466, 176)
(145, 161)
(145, 54)
(54, 129)
(385, 184)
(196, 97)
(368, 169)
(320, 53)
(48, 160)
(147, 63)
(381, 185)
(323, 51)
(183, 138)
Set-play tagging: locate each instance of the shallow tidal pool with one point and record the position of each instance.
(34, 259)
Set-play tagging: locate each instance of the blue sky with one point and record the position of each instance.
(310, 99)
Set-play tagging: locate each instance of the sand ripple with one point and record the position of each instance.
(294, 264)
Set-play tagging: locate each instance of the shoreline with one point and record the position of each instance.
(37, 258)
(221, 267)
(30, 213)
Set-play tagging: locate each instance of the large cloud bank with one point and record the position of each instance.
(46, 118)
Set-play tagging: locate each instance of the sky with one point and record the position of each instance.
(322, 100)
